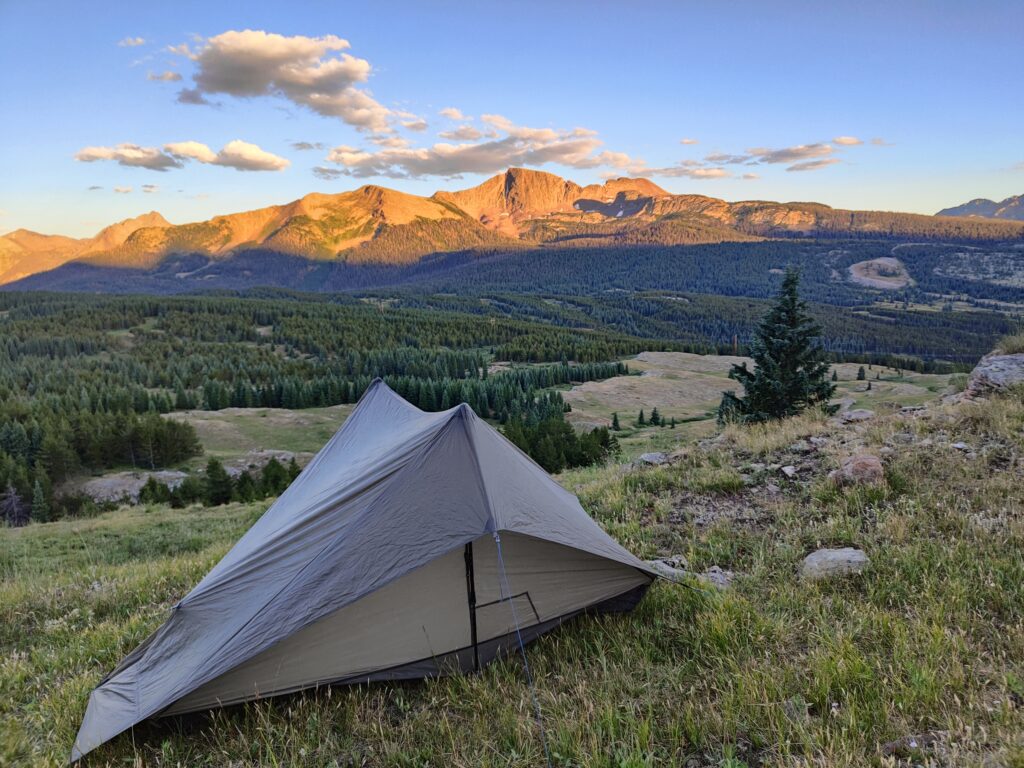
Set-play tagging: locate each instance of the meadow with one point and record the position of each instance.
(920, 660)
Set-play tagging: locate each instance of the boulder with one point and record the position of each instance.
(862, 469)
(995, 373)
(716, 577)
(856, 415)
(672, 568)
(789, 471)
(833, 563)
(653, 459)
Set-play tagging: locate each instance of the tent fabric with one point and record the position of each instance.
(361, 570)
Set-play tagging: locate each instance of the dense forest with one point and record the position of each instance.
(84, 379)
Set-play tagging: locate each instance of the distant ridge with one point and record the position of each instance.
(1012, 208)
(514, 209)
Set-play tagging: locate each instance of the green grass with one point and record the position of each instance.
(774, 672)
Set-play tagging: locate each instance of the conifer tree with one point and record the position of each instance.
(861, 374)
(791, 372)
(641, 421)
(12, 508)
(40, 506)
(835, 376)
(615, 422)
(655, 417)
(217, 488)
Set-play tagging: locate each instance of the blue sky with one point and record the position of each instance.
(585, 90)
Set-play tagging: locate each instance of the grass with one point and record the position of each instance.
(1012, 345)
(774, 672)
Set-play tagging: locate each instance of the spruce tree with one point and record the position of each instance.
(40, 505)
(791, 372)
(861, 374)
(641, 421)
(835, 376)
(615, 422)
(217, 488)
(655, 417)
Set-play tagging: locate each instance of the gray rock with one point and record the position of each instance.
(800, 446)
(833, 563)
(716, 577)
(789, 471)
(995, 373)
(862, 469)
(856, 415)
(655, 459)
(818, 442)
(772, 488)
(960, 446)
(902, 438)
(672, 568)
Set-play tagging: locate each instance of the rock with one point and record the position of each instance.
(902, 438)
(886, 450)
(772, 488)
(653, 459)
(818, 442)
(833, 563)
(789, 471)
(121, 486)
(960, 446)
(716, 577)
(856, 415)
(756, 466)
(908, 745)
(913, 408)
(672, 568)
(995, 373)
(800, 446)
(862, 469)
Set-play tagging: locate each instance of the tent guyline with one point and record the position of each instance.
(389, 558)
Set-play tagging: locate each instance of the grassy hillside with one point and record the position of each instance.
(773, 671)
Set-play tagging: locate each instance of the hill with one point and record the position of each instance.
(913, 659)
(1011, 208)
(519, 208)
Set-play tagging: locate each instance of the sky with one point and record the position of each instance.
(201, 108)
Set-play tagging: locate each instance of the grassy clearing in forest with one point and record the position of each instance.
(929, 641)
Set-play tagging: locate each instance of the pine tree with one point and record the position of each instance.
(217, 487)
(245, 488)
(641, 421)
(673, 424)
(40, 506)
(835, 376)
(861, 374)
(655, 417)
(791, 371)
(615, 422)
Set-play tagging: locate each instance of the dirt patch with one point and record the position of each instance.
(885, 272)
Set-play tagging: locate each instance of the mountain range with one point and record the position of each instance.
(1011, 208)
(513, 210)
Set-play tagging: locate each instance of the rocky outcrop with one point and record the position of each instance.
(995, 373)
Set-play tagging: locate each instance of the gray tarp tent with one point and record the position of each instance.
(380, 562)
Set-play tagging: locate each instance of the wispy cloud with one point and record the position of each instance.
(813, 165)
(688, 141)
(417, 125)
(131, 42)
(847, 141)
(240, 155)
(150, 188)
(193, 96)
(306, 146)
(311, 72)
(462, 133)
(122, 190)
(453, 113)
(164, 77)
(511, 145)
(790, 154)
(94, 187)
(879, 142)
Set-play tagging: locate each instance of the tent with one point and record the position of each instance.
(414, 544)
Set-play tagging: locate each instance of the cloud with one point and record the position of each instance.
(305, 146)
(311, 72)
(813, 165)
(791, 154)
(513, 145)
(417, 125)
(750, 177)
(723, 158)
(453, 113)
(237, 154)
(193, 96)
(462, 133)
(688, 141)
(131, 42)
(847, 141)
(328, 174)
(122, 190)
(685, 169)
(130, 155)
(880, 142)
(164, 77)
(150, 188)
(94, 187)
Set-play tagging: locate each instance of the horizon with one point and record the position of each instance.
(210, 111)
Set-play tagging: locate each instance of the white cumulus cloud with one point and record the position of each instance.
(237, 154)
(453, 113)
